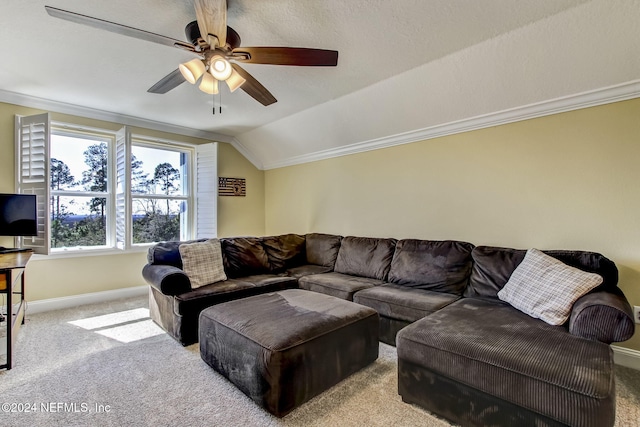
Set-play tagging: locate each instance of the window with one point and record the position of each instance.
(112, 190)
(160, 203)
(80, 199)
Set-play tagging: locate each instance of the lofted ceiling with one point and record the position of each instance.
(403, 65)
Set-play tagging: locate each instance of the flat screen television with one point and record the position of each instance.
(18, 215)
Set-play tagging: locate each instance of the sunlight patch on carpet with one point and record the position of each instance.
(124, 326)
(132, 331)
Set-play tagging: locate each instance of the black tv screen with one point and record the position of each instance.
(18, 216)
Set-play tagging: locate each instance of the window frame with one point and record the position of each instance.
(187, 222)
(33, 161)
(98, 135)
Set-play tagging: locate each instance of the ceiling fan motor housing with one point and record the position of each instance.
(192, 31)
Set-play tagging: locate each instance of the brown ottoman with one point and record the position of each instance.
(283, 348)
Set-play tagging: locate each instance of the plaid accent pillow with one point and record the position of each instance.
(202, 262)
(546, 288)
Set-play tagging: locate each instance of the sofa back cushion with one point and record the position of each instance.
(493, 266)
(167, 253)
(440, 266)
(365, 257)
(244, 256)
(284, 251)
(322, 249)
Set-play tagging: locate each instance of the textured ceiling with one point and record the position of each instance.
(386, 49)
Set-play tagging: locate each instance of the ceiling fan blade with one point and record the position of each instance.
(253, 87)
(117, 28)
(287, 56)
(212, 20)
(168, 82)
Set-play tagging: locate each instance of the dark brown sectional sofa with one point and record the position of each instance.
(462, 352)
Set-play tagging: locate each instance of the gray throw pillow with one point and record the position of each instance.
(202, 262)
(546, 288)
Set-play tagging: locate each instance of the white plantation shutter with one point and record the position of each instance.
(206, 191)
(32, 173)
(123, 189)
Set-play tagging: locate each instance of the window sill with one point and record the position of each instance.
(80, 253)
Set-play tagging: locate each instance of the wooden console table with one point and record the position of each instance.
(12, 267)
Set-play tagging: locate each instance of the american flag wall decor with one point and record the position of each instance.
(232, 186)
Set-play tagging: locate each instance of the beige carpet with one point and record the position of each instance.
(109, 365)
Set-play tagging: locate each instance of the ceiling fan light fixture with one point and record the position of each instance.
(235, 80)
(208, 84)
(220, 68)
(192, 70)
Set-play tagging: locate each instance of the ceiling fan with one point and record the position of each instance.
(217, 50)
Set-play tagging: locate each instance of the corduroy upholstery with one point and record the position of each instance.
(337, 284)
(361, 263)
(244, 256)
(602, 316)
(493, 349)
(480, 361)
(438, 266)
(285, 251)
(365, 257)
(280, 363)
(253, 266)
(399, 306)
(306, 270)
(470, 358)
(322, 249)
(493, 266)
(424, 276)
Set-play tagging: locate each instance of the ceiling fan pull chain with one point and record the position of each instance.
(214, 103)
(220, 100)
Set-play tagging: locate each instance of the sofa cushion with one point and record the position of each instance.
(365, 257)
(441, 266)
(167, 253)
(271, 282)
(546, 288)
(232, 289)
(402, 303)
(244, 256)
(305, 270)
(322, 249)
(492, 347)
(493, 266)
(202, 262)
(284, 251)
(337, 284)
(205, 296)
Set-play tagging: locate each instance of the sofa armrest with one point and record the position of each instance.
(602, 316)
(167, 279)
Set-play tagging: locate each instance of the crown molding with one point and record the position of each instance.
(108, 116)
(248, 154)
(607, 95)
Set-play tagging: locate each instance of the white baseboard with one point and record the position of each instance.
(82, 299)
(626, 357)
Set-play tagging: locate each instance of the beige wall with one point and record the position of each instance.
(59, 277)
(567, 181)
(240, 216)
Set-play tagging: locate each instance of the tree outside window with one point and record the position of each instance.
(158, 197)
(80, 193)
